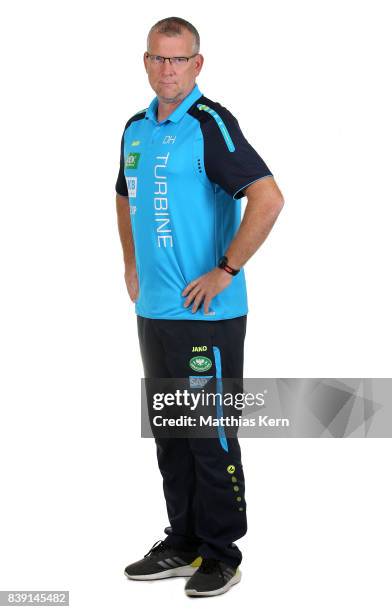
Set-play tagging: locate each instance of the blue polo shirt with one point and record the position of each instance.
(184, 178)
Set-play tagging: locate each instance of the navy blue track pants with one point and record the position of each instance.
(203, 479)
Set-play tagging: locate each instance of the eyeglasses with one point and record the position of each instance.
(175, 61)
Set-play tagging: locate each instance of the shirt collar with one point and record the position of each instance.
(178, 112)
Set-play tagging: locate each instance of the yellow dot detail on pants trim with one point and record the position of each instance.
(196, 562)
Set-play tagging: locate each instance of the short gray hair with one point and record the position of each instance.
(173, 26)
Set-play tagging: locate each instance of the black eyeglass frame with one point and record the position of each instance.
(171, 58)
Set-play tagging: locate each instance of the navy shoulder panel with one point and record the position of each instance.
(136, 117)
(206, 110)
(229, 160)
(121, 185)
(198, 109)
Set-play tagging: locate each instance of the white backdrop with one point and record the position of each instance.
(81, 493)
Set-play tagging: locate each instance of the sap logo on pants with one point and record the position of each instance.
(196, 382)
(199, 349)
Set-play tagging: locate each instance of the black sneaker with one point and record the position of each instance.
(162, 561)
(212, 578)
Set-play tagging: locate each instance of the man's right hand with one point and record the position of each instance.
(132, 283)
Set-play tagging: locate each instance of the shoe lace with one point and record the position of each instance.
(156, 548)
(209, 566)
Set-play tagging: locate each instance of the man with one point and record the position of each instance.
(184, 167)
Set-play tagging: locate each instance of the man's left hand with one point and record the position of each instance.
(205, 288)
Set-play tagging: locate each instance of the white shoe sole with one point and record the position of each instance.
(193, 593)
(185, 570)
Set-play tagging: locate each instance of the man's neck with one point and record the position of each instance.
(165, 109)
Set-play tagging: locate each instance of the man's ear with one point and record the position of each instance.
(199, 63)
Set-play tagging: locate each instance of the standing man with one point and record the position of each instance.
(184, 167)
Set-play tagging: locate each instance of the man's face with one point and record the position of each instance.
(172, 83)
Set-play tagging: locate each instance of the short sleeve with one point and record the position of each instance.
(121, 184)
(229, 160)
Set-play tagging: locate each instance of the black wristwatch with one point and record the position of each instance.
(224, 265)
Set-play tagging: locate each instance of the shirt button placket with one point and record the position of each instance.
(155, 133)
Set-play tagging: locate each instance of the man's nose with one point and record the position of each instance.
(167, 67)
